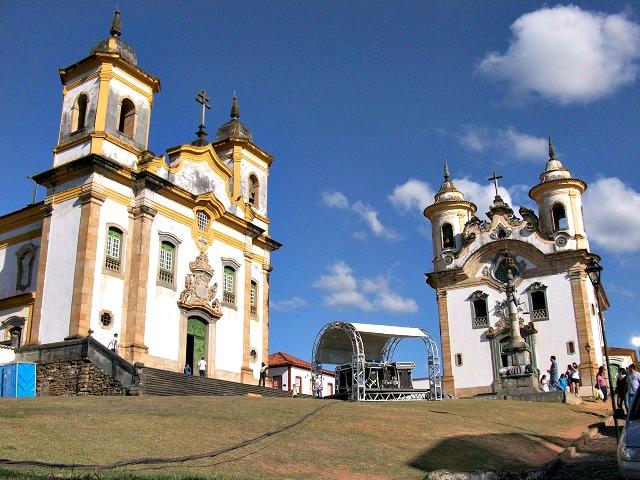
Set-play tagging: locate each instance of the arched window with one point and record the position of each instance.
(538, 301)
(254, 189)
(228, 293)
(448, 240)
(559, 217)
(79, 113)
(113, 250)
(253, 298)
(202, 219)
(26, 257)
(479, 309)
(166, 264)
(127, 121)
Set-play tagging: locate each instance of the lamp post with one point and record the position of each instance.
(636, 342)
(587, 347)
(593, 271)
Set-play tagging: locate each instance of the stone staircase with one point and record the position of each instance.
(154, 381)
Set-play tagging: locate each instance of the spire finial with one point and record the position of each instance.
(552, 151)
(116, 24)
(235, 107)
(446, 170)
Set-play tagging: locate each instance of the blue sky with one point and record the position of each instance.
(360, 102)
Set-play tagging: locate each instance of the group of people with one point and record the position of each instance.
(627, 386)
(627, 382)
(566, 381)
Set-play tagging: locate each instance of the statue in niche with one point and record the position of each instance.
(197, 291)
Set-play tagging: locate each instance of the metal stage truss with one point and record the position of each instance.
(357, 343)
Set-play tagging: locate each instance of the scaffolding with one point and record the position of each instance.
(358, 343)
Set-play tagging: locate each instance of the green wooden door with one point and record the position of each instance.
(198, 329)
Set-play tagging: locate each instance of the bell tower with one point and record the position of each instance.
(106, 107)
(448, 216)
(559, 199)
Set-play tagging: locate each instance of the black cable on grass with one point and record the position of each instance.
(160, 460)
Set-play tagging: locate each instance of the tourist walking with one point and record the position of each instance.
(621, 389)
(263, 375)
(202, 366)
(187, 370)
(113, 344)
(633, 384)
(553, 375)
(601, 383)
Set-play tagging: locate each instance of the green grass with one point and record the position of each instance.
(345, 440)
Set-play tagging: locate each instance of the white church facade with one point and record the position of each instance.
(557, 304)
(170, 252)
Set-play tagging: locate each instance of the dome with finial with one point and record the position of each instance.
(554, 169)
(233, 128)
(113, 44)
(448, 191)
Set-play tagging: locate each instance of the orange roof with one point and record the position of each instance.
(282, 359)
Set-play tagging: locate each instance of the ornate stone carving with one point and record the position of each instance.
(529, 217)
(500, 232)
(197, 292)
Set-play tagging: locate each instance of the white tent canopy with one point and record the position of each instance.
(338, 349)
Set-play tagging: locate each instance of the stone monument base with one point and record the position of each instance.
(518, 385)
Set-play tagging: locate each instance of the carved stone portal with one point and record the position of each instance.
(197, 292)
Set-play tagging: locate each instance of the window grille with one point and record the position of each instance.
(479, 310)
(106, 319)
(202, 219)
(228, 295)
(458, 359)
(114, 247)
(165, 271)
(253, 306)
(538, 296)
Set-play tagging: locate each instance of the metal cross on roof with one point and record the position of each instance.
(494, 179)
(203, 100)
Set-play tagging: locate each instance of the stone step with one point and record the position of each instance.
(164, 382)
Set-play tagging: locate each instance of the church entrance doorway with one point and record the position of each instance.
(196, 347)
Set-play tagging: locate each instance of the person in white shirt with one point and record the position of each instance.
(633, 383)
(202, 366)
(113, 344)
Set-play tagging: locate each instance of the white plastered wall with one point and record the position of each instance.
(108, 288)
(60, 270)
(551, 339)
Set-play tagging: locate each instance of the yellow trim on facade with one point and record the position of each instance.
(22, 218)
(65, 195)
(17, 301)
(173, 215)
(20, 238)
(70, 86)
(228, 240)
(117, 197)
(132, 86)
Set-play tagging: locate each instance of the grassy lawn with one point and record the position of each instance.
(342, 441)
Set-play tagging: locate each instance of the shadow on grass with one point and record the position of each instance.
(507, 452)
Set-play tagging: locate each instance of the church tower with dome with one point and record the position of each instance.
(546, 252)
(169, 253)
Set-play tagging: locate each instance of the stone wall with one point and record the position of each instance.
(74, 377)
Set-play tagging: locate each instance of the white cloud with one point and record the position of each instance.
(335, 200)
(343, 291)
(611, 215)
(340, 278)
(506, 141)
(370, 217)
(413, 194)
(287, 305)
(567, 54)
